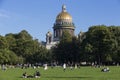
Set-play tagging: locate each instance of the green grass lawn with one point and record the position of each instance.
(84, 73)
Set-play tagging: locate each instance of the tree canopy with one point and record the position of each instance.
(100, 44)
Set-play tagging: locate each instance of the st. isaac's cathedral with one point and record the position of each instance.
(62, 23)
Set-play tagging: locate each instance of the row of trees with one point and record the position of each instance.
(99, 44)
(102, 44)
(21, 48)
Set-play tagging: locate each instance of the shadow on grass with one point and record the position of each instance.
(77, 77)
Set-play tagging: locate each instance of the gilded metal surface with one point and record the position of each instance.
(64, 15)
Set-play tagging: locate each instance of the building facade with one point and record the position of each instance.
(62, 23)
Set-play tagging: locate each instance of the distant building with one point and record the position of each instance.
(62, 23)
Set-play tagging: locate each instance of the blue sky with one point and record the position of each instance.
(38, 16)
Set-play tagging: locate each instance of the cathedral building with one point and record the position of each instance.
(62, 23)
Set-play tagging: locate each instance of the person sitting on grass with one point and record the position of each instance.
(105, 69)
(24, 75)
(37, 74)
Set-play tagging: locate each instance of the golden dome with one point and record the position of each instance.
(64, 15)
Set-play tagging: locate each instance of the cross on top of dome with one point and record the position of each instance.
(64, 8)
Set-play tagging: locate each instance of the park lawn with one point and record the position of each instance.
(57, 73)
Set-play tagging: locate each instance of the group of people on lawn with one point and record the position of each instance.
(105, 69)
(36, 75)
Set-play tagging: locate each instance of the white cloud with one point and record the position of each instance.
(4, 14)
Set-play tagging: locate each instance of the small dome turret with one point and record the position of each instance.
(49, 34)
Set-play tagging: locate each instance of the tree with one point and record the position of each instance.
(66, 37)
(22, 44)
(99, 43)
(7, 56)
(11, 41)
(24, 35)
(42, 55)
(115, 30)
(3, 43)
(67, 50)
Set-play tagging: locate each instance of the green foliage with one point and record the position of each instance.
(42, 55)
(19, 48)
(3, 43)
(24, 35)
(66, 37)
(7, 56)
(68, 49)
(115, 30)
(99, 42)
(11, 41)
